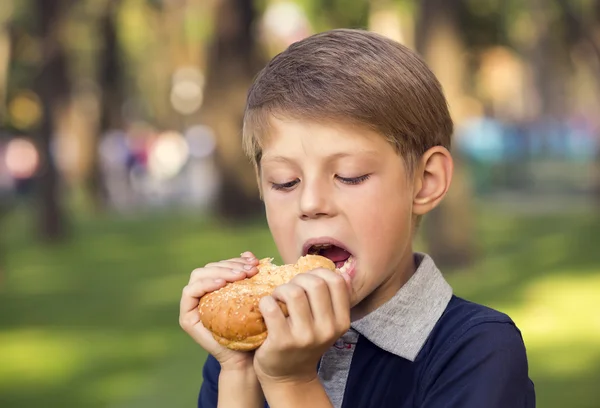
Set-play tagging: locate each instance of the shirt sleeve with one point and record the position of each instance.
(209, 392)
(485, 367)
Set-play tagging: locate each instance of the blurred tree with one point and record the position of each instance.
(328, 14)
(578, 31)
(596, 29)
(52, 85)
(585, 34)
(550, 60)
(449, 228)
(5, 54)
(233, 60)
(110, 75)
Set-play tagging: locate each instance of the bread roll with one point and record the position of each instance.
(231, 313)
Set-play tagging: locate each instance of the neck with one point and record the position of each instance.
(388, 288)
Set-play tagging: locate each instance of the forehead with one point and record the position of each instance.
(302, 138)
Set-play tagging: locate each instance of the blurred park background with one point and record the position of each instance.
(121, 171)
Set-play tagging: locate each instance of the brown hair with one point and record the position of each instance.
(353, 76)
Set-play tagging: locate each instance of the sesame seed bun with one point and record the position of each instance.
(231, 313)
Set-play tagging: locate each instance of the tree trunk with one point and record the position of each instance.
(586, 34)
(550, 62)
(596, 38)
(392, 20)
(52, 87)
(449, 228)
(5, 55)
(233, 60)
(111, 100)
(6, 42)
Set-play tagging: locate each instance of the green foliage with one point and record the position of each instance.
(328, 14)
(93, 323)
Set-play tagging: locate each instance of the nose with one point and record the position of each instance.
(316, 200)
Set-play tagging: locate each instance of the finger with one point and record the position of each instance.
(299, 310)
(235, 265)
(338, 291)
(202, 335)
(216, 272)
(277, 326)
(248, 255)
(244, 260)
(321, 305)
(194, 327)
(191, 295)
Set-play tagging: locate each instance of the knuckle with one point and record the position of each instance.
(267, 307)
(343, 326)
(329, 333)
(306, 339)
(184, 323)
(318, 284)
(338, 280)
(329, 277)
(295, 292)
(310, 281)
(198, 272)
(286, 345)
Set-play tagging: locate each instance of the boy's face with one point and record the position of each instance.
(325, 184)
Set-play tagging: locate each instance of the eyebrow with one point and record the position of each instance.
(335, 156)
(276, 159)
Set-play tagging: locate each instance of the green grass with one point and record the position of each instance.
(93, 322)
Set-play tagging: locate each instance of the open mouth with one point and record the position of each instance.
(340, 256)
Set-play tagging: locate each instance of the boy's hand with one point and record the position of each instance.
(318, 303)
(208, 279)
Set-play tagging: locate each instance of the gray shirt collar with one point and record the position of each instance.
(402, 324)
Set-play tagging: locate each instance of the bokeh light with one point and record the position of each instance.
(21, 158)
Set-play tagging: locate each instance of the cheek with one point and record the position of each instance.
(384, 222)
(280, 220)
(278, 208)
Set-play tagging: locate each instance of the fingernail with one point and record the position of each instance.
(248, 267)
(236, 271)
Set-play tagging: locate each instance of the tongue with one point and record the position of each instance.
(336, 254)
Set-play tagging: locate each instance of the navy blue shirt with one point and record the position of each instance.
(472, 357)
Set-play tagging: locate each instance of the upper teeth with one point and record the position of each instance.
(314, 249)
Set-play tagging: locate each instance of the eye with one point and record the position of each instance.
(354, 180)
(285, 186)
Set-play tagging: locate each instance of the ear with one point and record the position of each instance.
(433, 175)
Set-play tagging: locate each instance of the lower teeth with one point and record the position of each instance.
(346, 265)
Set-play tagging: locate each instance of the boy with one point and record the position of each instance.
(350, 133)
